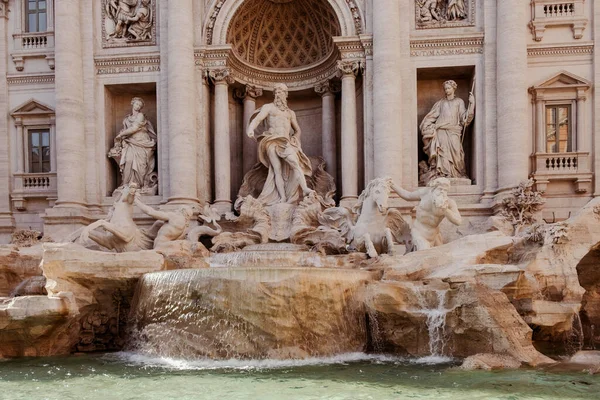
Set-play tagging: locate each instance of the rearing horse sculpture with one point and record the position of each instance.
(376, 226)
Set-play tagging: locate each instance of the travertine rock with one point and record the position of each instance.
(490, 362)
(472, 319)
(72, 268)
(35, 326)
(17, 265)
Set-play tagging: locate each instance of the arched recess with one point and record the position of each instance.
(221, 12)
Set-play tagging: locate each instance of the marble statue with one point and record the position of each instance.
(279, 150)
(132, 20)
(376, 226)
(456, 9)
(443, 131)
(171, 225)
(120, 233)
(135, 148)
(434, 13)
(434, 205)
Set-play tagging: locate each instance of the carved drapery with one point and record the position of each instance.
(444, 14)
(128, 23)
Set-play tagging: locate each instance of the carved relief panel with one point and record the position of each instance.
(444, 13)
(128, 23)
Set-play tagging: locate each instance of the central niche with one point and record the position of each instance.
(283, 34)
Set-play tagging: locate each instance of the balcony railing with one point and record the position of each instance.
(563, 166)
(27, 186)
(548, 13)
(33, 44)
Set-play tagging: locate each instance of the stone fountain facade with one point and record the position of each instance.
(282, 147)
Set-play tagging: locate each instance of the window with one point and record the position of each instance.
(39, 150)
(558, 129)
(36, 18)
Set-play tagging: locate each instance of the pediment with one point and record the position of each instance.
(562, 80)
(32, 108)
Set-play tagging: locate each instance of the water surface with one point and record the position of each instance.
(127, 376)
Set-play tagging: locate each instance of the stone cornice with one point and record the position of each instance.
(127, 64)
(446, 46)
(565, 50)
(30, 79)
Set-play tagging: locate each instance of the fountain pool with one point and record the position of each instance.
(352, 376)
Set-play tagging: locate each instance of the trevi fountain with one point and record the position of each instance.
(303, 199)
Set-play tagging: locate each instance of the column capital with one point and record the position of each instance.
(221, 76)
(581, 95)
(248, 91)
(348, 67)
(327, 88)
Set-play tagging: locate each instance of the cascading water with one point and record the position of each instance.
(258, 313)
(433, 306)
(575, 338)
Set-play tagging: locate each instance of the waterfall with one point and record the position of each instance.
(249, 313)
(434, 308)
(574, 340)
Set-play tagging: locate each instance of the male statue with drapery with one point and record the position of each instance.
(279, 150)
(443, 130)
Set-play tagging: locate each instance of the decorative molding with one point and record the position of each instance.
(554, 51)
(214, 13)
(30, 79)
(358, 24)
(549, 13)
(328, 87)
(433, 15)
(444, 47)
(350, 67)
(127, 64)
(147, 30)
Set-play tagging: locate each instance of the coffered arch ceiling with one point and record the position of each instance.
(283, 34)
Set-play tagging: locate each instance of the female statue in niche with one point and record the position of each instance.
(442, 130)
(135, 148)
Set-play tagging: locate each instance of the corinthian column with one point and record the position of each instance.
(6, 220)
(249, 146)
(512, 105)
(70, 140)
(349, 137)
(327, 91)
(387, 88)
(183, 185)
(222, 163)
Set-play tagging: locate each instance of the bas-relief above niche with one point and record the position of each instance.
(444, 13)
(128, 23)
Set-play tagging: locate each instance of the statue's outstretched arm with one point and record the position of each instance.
(406, 195)
(160, 215)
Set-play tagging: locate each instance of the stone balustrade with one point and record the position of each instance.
(28, 186)
(548, 13)
(563, 166)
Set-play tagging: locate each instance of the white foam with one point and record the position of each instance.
(208, 364)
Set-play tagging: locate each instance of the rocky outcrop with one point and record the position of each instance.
(489, 362)
(457, 320)
(17, 265)
(36, 326)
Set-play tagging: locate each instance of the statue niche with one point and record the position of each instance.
(134, 150)
(443, 131)
(285, 175)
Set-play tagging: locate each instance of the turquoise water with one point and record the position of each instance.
(126, 376)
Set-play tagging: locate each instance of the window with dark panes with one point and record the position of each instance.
(39, 150)
(558, 129)
(36, 15)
